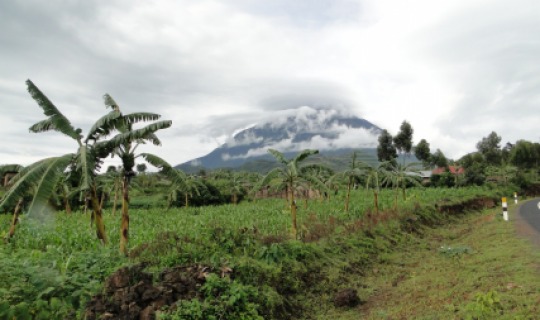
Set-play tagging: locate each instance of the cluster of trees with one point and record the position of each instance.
(516, 163)
(390, 147)
(62, 178)
(79, 170)
(296, 179)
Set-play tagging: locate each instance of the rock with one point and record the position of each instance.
(148, 314)
(119, 279)
(170, 276)
(120, 296)
(150, 294)
(160, 303)
(346, 298)
(107, 316)
(133, 310)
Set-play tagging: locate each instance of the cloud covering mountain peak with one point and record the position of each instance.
(292, 131)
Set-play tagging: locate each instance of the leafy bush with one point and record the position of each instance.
(48, 285)
(486, 306)
(222, 298)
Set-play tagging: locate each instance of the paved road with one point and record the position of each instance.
(530, 212)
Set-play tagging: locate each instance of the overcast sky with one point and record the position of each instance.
(456, 70)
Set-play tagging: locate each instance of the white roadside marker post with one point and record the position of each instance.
(505, 209)
(515, 198)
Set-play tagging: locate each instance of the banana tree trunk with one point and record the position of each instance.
(293, 213)
(101, 200)
(124, 227)
(287, 197)
(376, 200)
(187, 200)
(86, 200)
(97, 213)
(67, 206)
(306, 195)
(14, 221)
(396, 194)
(347, 198)
(115, 196)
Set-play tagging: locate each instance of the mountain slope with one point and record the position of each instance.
(329, 131)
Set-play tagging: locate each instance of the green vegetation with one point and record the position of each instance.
(53, 266)
(124, 145)
(218, 245)
(289, 176)
(475, 268)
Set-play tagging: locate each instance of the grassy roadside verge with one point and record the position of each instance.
(476, 268)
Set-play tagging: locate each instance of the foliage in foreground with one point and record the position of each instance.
(272, 277)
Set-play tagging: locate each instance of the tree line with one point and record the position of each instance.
(516, 163)
(74, 179)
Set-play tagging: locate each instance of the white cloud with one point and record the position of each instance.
(455, 70)
(326, 135)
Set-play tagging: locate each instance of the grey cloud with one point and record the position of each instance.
(287, 94)
(244, 61)
(306, 13)
(493, 57)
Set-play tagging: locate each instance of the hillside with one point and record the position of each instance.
(333, 133)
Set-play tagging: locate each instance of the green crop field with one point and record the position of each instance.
(54, 265)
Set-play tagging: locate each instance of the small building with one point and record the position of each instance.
(452, 169)
(426, 176)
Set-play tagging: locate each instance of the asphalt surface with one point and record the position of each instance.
(530, 212)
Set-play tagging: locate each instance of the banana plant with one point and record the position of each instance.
(354, 172)
(124, 145)
(375, 174)
(44, 175)
(191, 185)
(179, 180)
(316, 177)
(398, 176)
(4, 171)
(290, 173)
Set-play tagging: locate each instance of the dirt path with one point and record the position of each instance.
(523, 228)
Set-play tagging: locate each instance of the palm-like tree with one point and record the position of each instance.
(401, 175)
(373, 180)
(356, 170)
(190, 185)
(124, 145)
(5, 169)
(111, 182)
(406, 174)
(291, 175)
(315, 178)
(179, 180)
(250, 181)
(43, 175)
(65, 192)
(236, 187)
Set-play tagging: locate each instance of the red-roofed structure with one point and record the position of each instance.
(453, 170)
